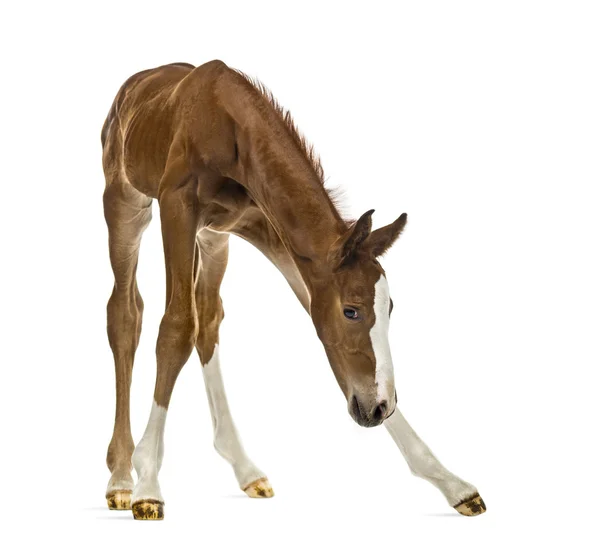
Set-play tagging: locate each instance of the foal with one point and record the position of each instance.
(222, 157)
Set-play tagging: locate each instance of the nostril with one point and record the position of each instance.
(380, 411)
(355, 407)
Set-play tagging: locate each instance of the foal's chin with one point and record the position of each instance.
(367, 423)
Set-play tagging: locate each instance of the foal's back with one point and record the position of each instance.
(141, 123)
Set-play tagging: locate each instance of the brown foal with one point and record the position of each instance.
(222, 157)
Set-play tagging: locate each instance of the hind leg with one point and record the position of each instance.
(127, 214)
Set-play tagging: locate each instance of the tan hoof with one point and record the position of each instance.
(148, 510)
(472, 507)
(119, 500)
(261, 488)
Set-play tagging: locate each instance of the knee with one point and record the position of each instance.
(208, 332)
(210, 314)
(178, 332)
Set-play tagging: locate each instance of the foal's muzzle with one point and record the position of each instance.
(369, 416)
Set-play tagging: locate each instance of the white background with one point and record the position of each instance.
(481, 120)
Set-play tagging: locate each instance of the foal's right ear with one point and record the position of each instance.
(380, 240)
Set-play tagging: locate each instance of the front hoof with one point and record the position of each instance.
(472, 507)
(119, 500)
(261, 488)
(148, 510)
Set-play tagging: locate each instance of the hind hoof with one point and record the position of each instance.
(261, 488)
(472, 507)
(148, 510)
(119, 500)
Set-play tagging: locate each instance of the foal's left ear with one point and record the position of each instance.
(345, 248)
(380, 240)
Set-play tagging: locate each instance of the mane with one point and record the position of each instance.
(335, 194)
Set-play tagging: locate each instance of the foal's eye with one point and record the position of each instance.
(350, 313)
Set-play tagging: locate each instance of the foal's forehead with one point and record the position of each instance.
(361, 280)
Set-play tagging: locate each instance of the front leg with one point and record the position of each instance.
(177, 334)
(422, 463)
(212, 257)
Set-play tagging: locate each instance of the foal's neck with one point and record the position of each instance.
(299, 209)
(282, 180)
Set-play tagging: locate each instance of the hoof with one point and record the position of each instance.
(119, 500)
(472, 507)
(148, 510)
(261, 488)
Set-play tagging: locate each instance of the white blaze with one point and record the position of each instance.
(384, 370)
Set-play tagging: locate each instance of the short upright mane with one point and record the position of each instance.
(306, 147)
(335, 194)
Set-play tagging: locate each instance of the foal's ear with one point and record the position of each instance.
(380, 240)
(347, 245)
